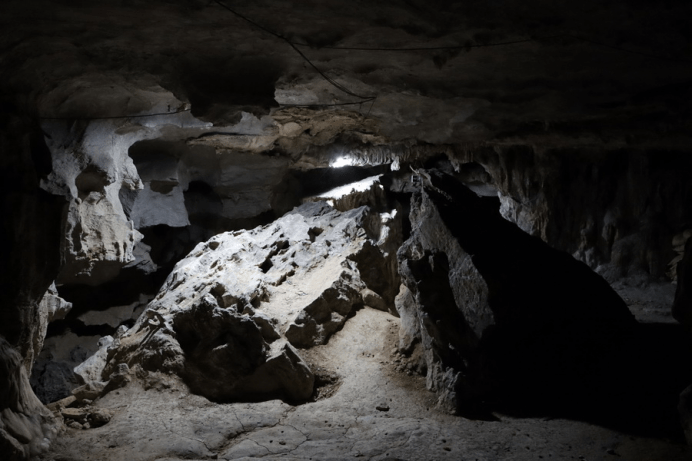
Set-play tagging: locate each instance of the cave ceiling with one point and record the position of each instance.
(286, 75)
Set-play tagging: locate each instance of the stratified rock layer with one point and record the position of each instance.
(231, 314)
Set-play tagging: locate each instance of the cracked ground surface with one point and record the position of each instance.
(158, 419)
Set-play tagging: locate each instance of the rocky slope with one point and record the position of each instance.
(231, 315)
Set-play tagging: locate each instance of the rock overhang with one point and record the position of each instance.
(439, 73)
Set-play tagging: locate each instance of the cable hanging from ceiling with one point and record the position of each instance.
(186, 108)
(363, 99)
(371, 98)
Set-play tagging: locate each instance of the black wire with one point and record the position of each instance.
(295, 48)
(512, 42)
(422, 48)
(365, 99)
(116, 116)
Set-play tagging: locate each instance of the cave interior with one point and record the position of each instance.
(392, 230)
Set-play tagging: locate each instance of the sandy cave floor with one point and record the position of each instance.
(375, 413)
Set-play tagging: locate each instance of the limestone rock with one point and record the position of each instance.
(229, 315)
(323, 316)
(86, 417)
(121, 377)
(51, 307)
(53, 376)
(92, 368)
(99, 416)
(372, 299)
(486, 294)
(56, 308)
(89, 391)
(62, 403)
(116, 315)
(26, 426)
(409, 329)
(75, 414)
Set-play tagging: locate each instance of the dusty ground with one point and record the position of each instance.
(373, 413)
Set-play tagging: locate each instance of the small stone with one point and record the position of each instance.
(99, 416)
(74, 425)
(74, 414)
(89, 391)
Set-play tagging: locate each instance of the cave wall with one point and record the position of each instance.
(29, 262)
(143, 142)
(616, 210)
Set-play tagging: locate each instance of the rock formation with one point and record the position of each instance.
(143, 143)
(682, 306)
(498, 310)
(230, 316)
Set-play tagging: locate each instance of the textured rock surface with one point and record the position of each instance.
(617, 210)
(92, 368)
(221, 317)
(53, 376)
(27, 266)
(347, 425)
(682, 306)
(26, 426)
(52, 307)
(628, 73)
(497, 308)
(175, 120)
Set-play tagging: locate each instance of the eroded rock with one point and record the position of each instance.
(497, 308)
(92, 368)
(53, 376)
(26, 426)
(230, 316)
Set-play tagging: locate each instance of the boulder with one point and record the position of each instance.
(322, 317)
(500, 312)
(53, 376)
(51, 307)
(231, 314)
(89, 391)
(92, 368)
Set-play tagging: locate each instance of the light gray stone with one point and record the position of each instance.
(92, 368)
(228, 317)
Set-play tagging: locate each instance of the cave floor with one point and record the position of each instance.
(374, 413)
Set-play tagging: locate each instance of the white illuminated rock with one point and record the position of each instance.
(230, 315)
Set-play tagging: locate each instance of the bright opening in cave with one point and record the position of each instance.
(342, 161)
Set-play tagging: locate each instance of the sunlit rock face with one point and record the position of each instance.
(232, 314)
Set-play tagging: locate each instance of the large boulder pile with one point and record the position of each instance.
(232, 316)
